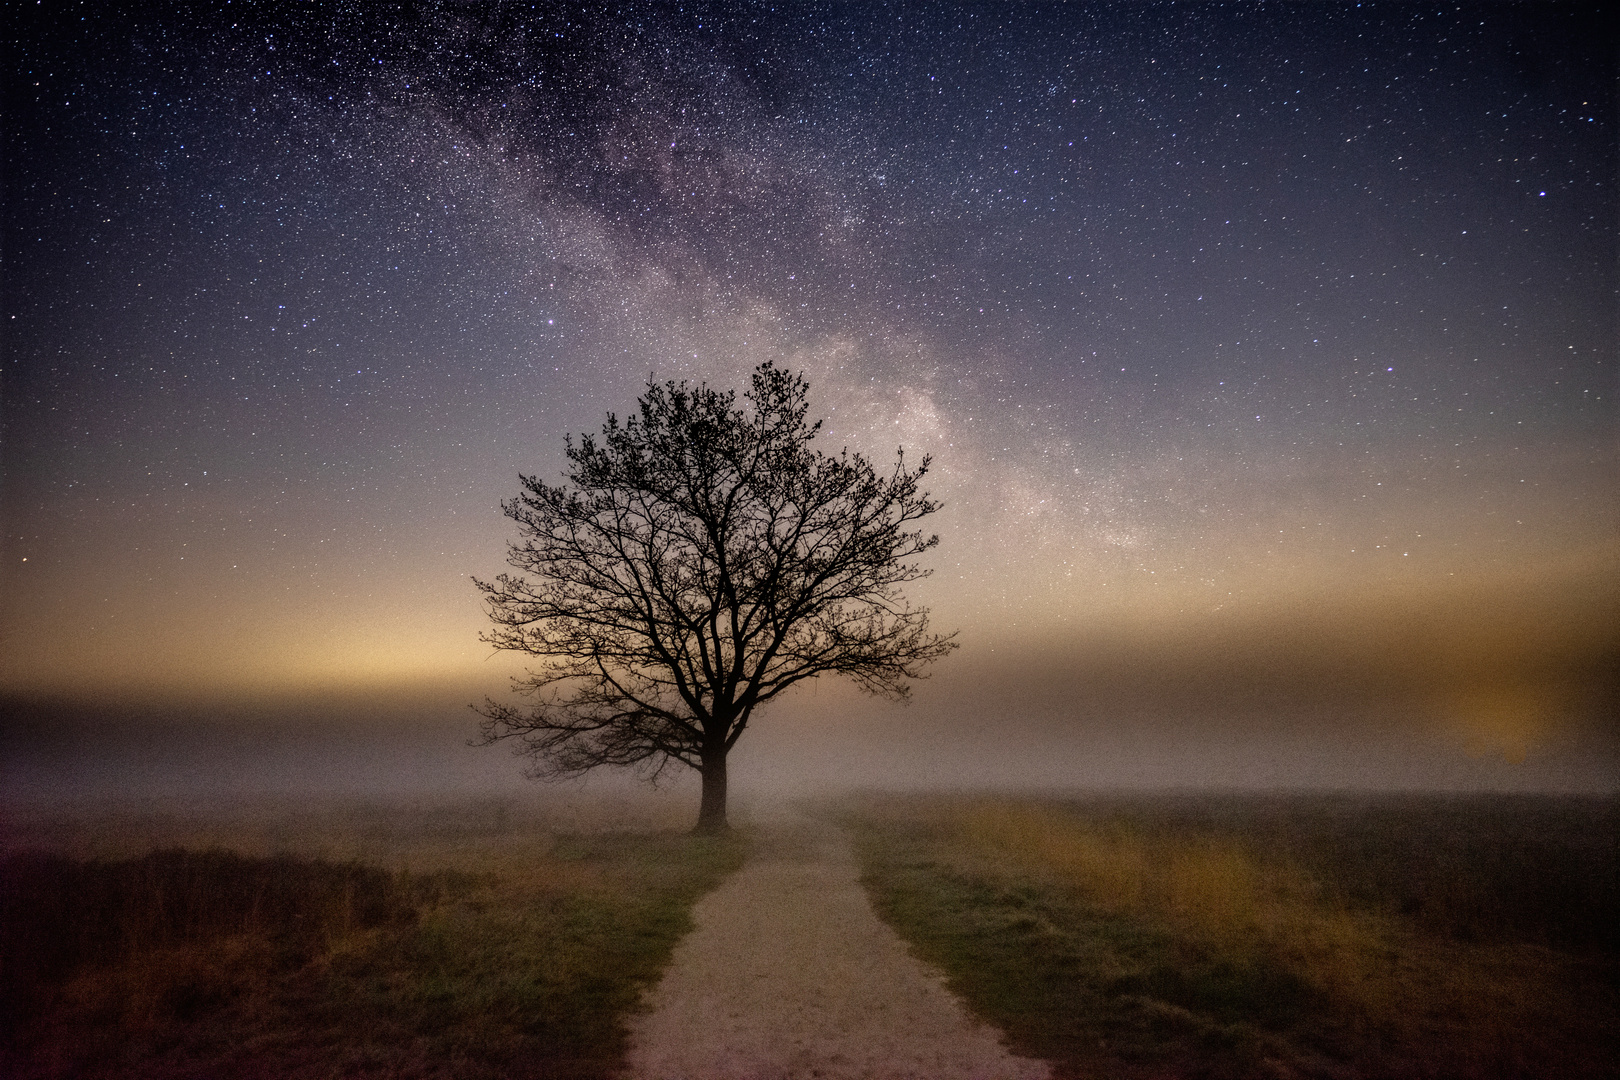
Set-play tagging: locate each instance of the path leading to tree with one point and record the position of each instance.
(790, 974)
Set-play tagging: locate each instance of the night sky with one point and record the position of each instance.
(1266, 355)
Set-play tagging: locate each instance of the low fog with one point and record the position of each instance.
(1383, 693)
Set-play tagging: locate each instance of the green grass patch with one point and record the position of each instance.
(521, 963)
(1136, 940)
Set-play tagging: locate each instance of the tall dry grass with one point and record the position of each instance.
(488, 943)
(173, 910)
(1208, 884)
(1211, 891)
(1264, 936)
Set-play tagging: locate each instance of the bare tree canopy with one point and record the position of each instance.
(700, 560)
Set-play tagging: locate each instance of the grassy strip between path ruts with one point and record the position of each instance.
(202, 964)
(1134, 940)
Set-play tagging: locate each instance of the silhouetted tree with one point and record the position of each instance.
(699, 561)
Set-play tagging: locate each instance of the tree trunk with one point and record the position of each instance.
(712, 813)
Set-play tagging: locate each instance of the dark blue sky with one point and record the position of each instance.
(1200, 308)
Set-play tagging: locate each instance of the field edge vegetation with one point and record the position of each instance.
(199, 963)
(1209, 938)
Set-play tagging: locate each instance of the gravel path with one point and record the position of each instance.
(789, 974)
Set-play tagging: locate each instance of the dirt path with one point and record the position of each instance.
(789, 974)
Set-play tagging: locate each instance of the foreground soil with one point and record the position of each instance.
(790, 974)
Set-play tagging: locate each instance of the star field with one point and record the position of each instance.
(1199, 308)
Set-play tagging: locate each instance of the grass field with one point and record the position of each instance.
(475, 939)
(1189, 936)
(1266, 936)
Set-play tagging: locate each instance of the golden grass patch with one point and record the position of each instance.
(1124, 935)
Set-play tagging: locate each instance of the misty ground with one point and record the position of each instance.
(1167, 934)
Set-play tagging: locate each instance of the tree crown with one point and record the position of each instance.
(701, 559)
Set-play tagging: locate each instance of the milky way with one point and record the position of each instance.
(1231, 329)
